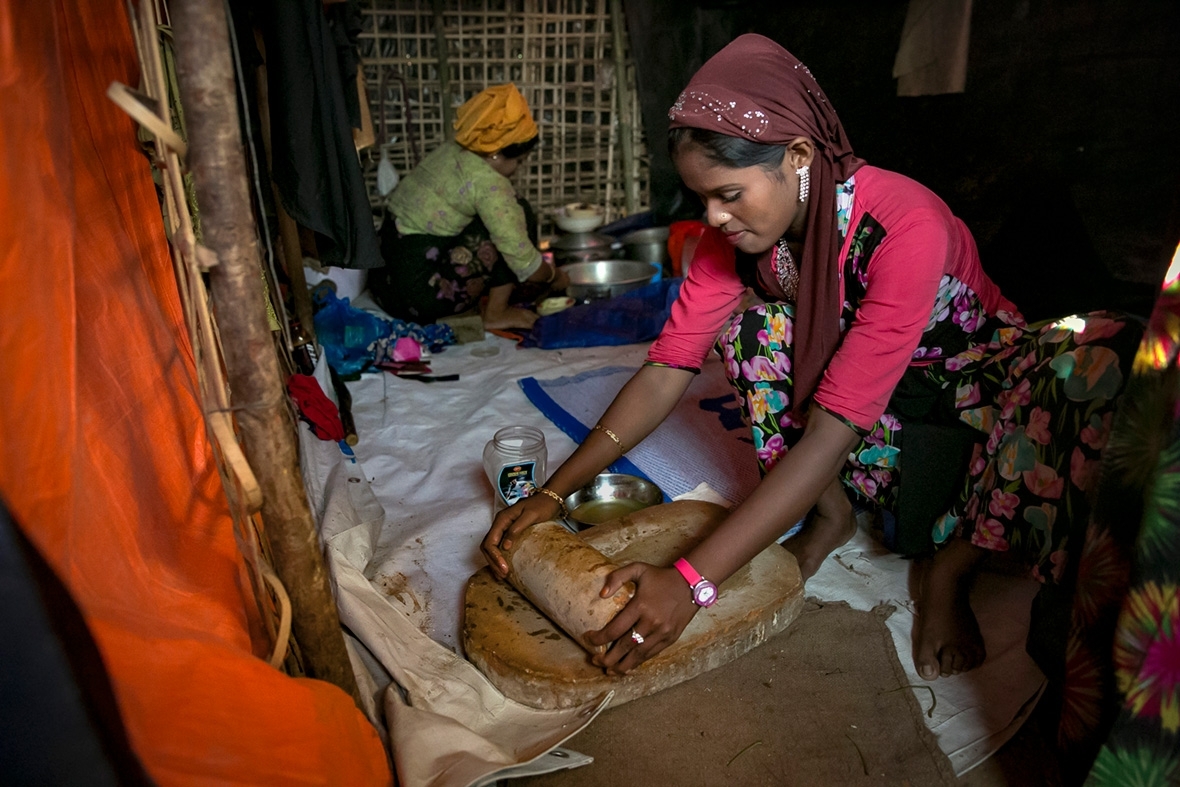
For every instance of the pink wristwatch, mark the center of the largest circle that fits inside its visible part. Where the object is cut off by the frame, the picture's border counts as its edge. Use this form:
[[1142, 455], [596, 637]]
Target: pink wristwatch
[[704, 592]]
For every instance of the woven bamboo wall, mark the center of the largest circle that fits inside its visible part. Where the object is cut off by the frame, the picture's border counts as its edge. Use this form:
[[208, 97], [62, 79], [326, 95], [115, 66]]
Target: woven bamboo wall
[[559, 53]]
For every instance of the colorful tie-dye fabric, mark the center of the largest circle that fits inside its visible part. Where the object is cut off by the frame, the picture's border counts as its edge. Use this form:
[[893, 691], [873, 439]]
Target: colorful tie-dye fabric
[[1122, 702]]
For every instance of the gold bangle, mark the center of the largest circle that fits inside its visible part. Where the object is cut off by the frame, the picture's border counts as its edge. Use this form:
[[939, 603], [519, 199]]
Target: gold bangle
[[611, 435], [557, 497]]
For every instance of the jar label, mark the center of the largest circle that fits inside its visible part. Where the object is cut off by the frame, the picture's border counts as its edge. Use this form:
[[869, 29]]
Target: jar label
[[516, 481]]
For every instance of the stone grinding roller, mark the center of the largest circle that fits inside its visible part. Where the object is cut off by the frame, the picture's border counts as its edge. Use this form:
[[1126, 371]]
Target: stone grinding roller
[[563, 576]]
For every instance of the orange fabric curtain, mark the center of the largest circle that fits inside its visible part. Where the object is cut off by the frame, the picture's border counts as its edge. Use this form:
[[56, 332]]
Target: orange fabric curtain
[[104, 461]]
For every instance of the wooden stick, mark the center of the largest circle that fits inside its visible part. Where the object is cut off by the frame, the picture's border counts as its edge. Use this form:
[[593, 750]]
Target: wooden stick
[[288, 227], [623, 97], [444, 69], [237, 477], [206, 76], [345, 407]]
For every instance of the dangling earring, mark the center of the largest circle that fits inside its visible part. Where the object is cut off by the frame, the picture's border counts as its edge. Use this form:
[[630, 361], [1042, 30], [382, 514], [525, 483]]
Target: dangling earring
[[804, 174]]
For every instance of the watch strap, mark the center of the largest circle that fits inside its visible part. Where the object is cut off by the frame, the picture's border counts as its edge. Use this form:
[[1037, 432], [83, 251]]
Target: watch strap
[[690, 574]]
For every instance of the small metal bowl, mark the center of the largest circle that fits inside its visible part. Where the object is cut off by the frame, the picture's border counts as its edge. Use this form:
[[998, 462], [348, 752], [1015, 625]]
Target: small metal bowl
[[610, 496]]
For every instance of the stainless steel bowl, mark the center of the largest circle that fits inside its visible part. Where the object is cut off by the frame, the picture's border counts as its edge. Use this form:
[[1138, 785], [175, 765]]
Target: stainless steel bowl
[[592, 281], [649, 245], [610, 496]]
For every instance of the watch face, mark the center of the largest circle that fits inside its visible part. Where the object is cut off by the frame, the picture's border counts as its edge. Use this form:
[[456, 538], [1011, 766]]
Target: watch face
[[705, 593]]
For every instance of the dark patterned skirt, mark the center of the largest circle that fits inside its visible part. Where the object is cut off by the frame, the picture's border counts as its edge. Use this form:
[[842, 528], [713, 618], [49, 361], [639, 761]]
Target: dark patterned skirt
[[1040, 400], [429, 276]]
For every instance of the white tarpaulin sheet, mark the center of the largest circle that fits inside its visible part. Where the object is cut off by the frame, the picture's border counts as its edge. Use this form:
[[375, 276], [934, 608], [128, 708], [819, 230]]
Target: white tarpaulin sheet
[[403, 538]]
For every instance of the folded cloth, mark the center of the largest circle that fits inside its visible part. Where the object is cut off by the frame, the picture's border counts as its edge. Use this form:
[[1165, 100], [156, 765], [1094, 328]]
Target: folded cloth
[[632, 317], [315, 407]]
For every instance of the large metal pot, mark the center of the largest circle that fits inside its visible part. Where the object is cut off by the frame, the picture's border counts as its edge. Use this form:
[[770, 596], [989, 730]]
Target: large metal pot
[[648, 245], [582, 247], [592, 281]]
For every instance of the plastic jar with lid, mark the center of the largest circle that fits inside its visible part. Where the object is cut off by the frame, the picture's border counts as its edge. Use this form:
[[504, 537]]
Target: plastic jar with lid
[[514, 460]]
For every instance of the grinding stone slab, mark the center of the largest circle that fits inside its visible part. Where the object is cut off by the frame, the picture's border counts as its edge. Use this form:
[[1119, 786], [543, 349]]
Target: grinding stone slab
[[530, 660]]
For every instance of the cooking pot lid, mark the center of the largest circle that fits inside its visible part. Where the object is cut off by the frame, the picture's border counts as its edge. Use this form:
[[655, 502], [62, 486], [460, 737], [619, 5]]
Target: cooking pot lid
[[577, 241]]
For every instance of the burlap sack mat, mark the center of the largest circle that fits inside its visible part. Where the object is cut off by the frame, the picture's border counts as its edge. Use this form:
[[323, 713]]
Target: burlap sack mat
[[825, 702]]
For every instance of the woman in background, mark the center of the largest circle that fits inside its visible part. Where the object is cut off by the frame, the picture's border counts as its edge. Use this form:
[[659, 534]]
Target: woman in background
[[457, 231]]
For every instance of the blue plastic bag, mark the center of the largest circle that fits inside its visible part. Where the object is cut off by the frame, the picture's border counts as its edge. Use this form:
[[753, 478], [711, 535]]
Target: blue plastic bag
[[636, 316], [347, 335], [353, 339]]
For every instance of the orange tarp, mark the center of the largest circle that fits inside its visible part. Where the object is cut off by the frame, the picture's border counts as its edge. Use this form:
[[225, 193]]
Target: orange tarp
[[104, 461]]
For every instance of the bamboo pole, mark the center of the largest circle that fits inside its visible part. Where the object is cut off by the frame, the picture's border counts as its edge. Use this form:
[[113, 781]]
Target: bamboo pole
[[444, 69], [623, 97], [288, 228], [206, 77]]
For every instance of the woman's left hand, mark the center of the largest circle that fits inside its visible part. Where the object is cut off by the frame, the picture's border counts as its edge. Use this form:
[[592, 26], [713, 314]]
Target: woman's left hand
[[660, 610]]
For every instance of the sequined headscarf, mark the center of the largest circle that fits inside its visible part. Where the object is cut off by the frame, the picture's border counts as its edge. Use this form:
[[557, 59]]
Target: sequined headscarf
[[753, 88]]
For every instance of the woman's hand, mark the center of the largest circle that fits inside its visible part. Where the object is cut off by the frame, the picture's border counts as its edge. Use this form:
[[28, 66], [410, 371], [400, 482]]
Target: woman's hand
[[659, 612], [509, 524], [551, 275], [561, 280]]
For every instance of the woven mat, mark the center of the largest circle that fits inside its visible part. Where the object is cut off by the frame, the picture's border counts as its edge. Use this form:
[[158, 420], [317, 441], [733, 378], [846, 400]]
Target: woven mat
[[821, 703]]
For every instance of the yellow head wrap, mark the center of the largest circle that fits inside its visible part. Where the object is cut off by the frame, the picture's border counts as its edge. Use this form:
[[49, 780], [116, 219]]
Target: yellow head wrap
[[494, 119]]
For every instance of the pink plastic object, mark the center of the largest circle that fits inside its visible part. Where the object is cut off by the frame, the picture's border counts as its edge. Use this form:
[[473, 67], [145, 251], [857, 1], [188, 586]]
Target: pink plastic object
[[407, 349]]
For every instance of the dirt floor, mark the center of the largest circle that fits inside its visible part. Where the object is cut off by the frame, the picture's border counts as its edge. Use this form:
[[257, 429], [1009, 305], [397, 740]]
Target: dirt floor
[[825, 702]]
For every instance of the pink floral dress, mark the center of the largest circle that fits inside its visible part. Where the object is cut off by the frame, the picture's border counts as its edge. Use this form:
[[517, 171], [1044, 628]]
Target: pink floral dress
[[1061, 459], [1040, 399]]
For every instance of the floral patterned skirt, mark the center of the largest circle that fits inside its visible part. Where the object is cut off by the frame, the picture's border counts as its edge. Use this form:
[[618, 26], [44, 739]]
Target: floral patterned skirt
[[1066, 465], [758, 355], [429, 276], [1040, 397]]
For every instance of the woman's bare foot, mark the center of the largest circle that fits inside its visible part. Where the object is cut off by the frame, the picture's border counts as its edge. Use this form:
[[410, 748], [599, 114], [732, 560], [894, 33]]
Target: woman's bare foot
[[832, 526], [509, 318], [947, 640]]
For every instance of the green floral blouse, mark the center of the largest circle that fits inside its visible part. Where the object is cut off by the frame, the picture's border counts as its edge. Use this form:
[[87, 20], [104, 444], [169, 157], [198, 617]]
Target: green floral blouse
[[449, 189]]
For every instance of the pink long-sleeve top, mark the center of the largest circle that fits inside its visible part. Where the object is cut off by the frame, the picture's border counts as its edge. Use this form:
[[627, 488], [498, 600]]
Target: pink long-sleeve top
[[923, 243]]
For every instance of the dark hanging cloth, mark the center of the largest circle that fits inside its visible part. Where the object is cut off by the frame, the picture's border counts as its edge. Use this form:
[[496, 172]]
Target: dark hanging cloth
[[311, 79], [345, 21]]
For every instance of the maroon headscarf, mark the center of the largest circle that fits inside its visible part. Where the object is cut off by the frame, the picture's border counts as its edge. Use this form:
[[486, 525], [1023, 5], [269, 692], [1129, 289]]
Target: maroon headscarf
[[753, 88]]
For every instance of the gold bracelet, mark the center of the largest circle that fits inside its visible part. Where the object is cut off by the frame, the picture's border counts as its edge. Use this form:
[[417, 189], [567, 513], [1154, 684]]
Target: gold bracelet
[[611, 435], [560, 501]]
